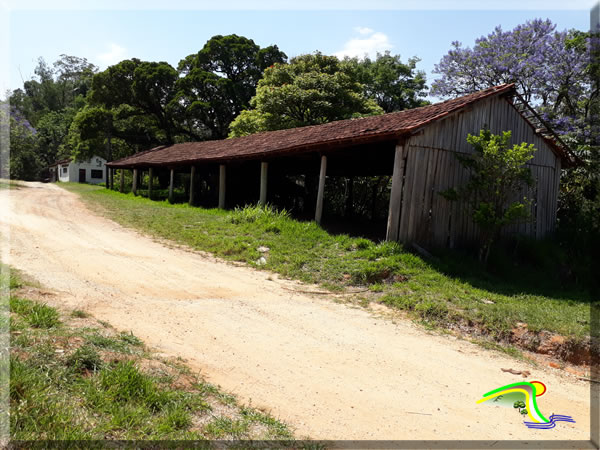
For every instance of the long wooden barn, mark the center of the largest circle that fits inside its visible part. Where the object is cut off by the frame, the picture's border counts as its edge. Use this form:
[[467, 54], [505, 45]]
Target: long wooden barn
[[417, 147]]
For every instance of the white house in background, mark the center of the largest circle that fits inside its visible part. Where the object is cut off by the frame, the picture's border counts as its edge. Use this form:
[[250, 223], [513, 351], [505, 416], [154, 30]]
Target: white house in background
[[92, 171]]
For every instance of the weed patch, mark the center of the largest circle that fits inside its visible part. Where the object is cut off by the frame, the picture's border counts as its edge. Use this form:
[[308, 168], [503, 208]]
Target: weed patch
[[37, 314]]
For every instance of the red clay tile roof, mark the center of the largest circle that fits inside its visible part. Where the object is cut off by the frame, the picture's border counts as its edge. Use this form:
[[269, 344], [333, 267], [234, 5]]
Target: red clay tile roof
[[274, 143]]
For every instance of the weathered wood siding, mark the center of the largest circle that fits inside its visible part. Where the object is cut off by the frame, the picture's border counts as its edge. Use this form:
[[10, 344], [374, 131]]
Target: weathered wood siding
[[430, 167]]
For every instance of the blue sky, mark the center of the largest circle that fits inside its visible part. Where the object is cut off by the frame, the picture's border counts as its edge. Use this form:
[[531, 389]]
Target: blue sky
[[105, 37]]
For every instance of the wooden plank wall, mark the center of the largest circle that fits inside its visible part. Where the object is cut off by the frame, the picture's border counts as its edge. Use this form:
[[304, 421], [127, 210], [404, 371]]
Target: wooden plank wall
[[431, 167]]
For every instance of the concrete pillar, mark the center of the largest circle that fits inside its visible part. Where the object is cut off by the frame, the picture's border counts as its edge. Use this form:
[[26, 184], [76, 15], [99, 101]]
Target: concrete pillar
[[150, 180], [263, 183], [321, 192], [134, 182], [171, 182], [192, 185], [122, 181], [222, 174], [395, 196]]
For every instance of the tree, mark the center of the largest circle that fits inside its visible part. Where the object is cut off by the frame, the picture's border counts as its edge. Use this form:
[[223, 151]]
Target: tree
[[24, 163], [520, 406], [73, 76], [312, 89], [534, 56], [52, 129], [93, 125], [554, 72], [551, 70], [62, 85], [219, 81], [395, 86], [147, 88], [45, 107], [497, 171]]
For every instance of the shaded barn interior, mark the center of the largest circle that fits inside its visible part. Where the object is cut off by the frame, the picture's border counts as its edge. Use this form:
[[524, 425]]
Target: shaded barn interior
[[412, 152]]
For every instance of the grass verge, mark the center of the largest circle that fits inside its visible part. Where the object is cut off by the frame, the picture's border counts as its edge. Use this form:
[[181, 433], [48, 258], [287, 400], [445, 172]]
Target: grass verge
[[451, 290], [72, 378]]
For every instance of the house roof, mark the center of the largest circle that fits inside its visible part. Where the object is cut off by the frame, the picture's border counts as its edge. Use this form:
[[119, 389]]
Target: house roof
[[297, 140], [70, 160], [62, 161]]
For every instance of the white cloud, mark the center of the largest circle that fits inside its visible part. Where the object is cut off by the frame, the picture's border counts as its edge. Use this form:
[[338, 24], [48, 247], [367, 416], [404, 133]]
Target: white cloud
[[115, 54], [363, 30], [369, 44]]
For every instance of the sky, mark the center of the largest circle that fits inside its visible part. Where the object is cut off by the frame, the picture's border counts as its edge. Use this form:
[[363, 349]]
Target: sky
[[108, 32]]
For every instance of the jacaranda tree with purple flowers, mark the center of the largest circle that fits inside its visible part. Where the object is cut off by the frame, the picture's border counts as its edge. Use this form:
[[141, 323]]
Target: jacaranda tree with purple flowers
[[534, 56], [553, 71]]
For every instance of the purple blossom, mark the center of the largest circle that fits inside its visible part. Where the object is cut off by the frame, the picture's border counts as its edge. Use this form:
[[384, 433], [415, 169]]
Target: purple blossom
[[548, 69]]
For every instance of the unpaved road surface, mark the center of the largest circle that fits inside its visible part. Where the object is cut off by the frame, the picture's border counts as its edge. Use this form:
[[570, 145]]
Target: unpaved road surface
[[330, 370]]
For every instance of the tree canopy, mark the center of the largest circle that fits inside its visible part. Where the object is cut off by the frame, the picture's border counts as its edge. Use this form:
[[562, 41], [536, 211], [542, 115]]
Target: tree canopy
[[395, 86], [310, 90], [42, 112], [219, 81]]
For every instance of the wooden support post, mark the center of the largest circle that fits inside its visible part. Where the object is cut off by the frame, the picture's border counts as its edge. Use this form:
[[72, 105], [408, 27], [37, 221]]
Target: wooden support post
[[134, 182], [122, 181], [396, 195], [171, 182], [321, 192], [222, 186], [112, 178], [192, 186], [150, 180], [263, 183]]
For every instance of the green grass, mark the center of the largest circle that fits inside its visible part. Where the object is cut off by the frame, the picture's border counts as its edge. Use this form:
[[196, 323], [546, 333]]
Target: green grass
[[79, 314], [69, 382], [450, 290], [9, 278], [38, 315]]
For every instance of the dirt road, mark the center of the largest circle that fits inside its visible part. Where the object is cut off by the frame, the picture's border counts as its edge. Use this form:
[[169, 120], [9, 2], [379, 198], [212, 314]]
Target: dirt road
[[330, 370]]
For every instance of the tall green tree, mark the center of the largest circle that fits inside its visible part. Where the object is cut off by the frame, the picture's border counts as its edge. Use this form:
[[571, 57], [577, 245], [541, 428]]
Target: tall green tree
[[24, 162], [94, 126], [147, 89], [49, 101], [394, 85], [218, 82], [53, 88], [310, 90]]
